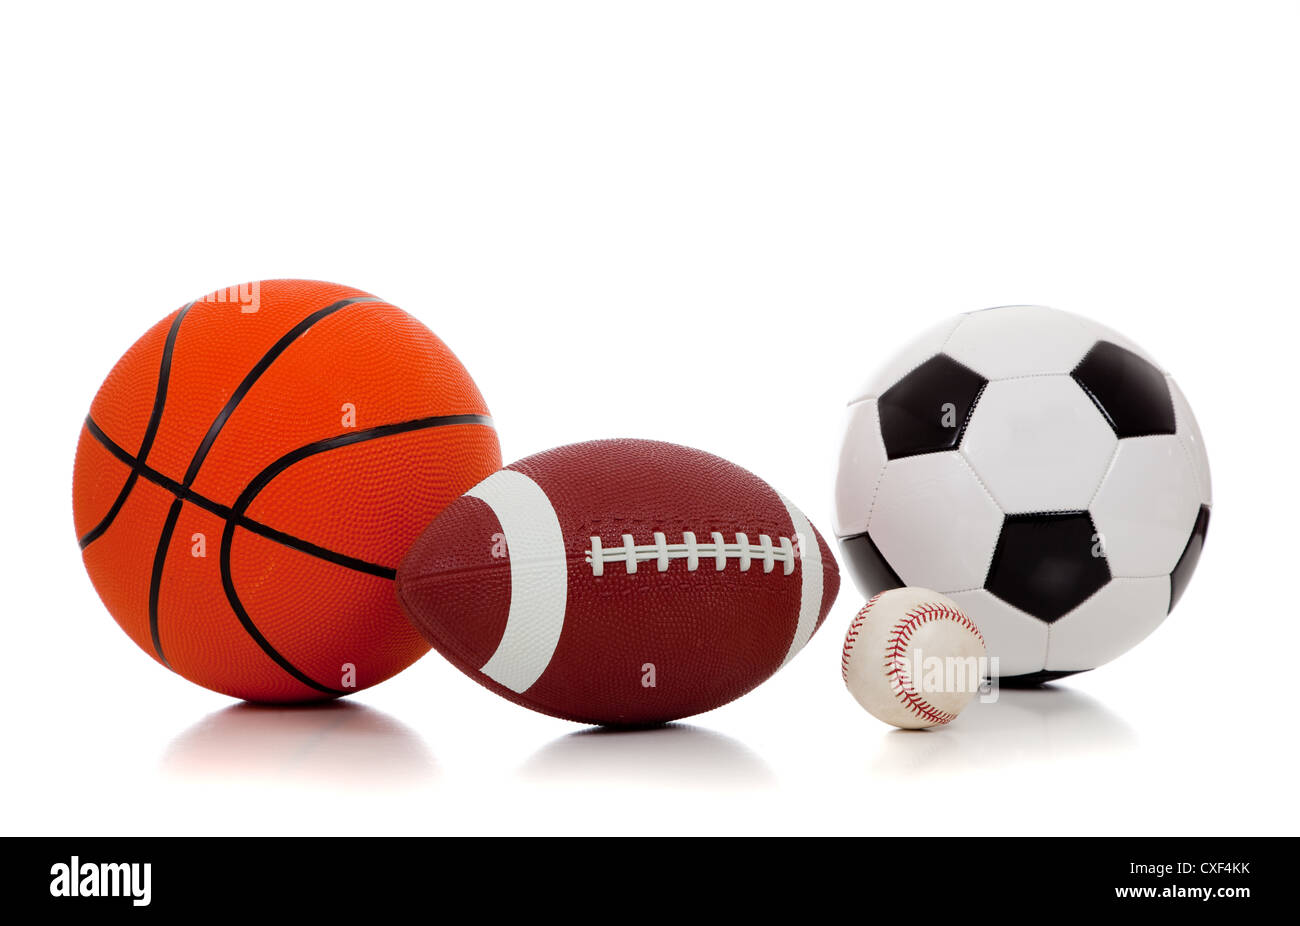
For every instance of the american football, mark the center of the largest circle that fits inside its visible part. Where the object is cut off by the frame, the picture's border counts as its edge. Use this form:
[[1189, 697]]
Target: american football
[[619, 582]]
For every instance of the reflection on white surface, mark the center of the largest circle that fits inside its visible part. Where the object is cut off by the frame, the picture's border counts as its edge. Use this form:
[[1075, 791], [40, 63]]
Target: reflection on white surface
[[675, 755], [338, 743], [1022, 726]]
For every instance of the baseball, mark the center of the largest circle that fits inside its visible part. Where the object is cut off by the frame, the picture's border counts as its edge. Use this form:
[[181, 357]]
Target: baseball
[[913, 659]]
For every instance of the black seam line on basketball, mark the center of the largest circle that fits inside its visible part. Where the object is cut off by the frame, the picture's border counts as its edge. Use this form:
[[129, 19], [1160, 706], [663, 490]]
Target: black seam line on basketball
[[265, 477], [155, 578], [224, 512], [262, 479], [150, 431], [255, 374], [232, 596]]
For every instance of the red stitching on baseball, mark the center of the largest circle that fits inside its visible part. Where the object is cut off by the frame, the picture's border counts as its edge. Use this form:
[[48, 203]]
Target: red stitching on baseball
[[852, 636], [896, 659]]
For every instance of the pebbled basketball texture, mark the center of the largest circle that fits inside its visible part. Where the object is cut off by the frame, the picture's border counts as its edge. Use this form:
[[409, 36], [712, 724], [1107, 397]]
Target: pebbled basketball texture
[[251, 472], [654, 619]]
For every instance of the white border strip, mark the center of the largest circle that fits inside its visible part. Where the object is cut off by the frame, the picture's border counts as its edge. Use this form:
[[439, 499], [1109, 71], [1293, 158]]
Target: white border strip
[[539, 578], [811, 579]]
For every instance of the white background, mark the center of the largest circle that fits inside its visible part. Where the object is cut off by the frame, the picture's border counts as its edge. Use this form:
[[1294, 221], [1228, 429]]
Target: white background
[[701, 222]]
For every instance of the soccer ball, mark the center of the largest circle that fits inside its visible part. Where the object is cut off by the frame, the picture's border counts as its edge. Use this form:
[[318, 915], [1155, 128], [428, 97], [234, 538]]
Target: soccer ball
[[1039, 469]]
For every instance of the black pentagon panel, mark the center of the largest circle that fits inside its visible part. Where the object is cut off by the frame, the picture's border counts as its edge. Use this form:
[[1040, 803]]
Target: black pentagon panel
[[1046, 564], [1186, 564], [1035, 679], [926, 411], [1131, 394], [868, 566]]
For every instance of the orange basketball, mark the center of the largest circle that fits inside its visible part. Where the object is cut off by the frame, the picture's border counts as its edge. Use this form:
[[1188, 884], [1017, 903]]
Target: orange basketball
[[253, 470]]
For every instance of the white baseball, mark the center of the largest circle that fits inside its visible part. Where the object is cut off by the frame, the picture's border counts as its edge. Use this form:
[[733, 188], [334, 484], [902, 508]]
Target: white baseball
[[912, 658]]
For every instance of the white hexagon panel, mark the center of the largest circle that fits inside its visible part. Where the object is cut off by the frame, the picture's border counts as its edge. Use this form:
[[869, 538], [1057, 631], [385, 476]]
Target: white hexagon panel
[[1017, 639], [1118, 617], [1020, 340], [1038, 444], [1146, 506], [934, 523], [862, 463]]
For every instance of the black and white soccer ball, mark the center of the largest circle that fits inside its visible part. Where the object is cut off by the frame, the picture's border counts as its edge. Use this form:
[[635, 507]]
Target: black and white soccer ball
[[1039, 469]]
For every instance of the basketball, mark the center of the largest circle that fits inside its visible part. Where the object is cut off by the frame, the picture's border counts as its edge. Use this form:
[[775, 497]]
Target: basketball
[[253, 470]]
